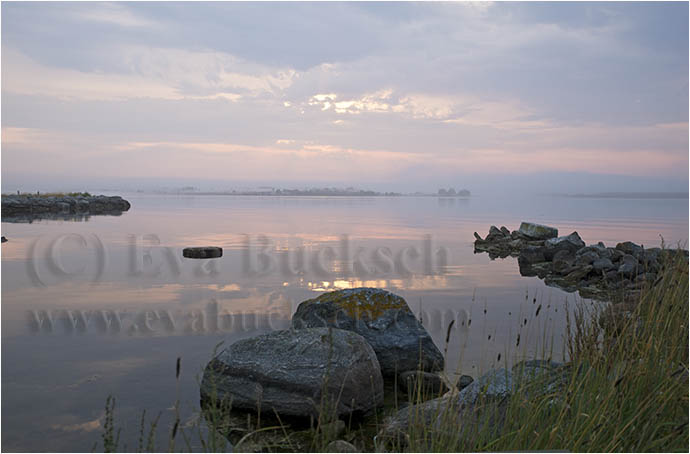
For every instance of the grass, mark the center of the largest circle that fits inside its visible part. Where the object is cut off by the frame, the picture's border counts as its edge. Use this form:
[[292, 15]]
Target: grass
[[625, 388]]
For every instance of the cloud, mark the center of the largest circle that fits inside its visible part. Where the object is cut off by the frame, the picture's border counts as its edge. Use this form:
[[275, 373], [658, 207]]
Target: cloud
[[350, 92], [113, 13], [150, 73]]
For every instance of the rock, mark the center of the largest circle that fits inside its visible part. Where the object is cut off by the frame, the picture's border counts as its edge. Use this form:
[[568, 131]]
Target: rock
[[494, 234], [531, 369], [494, 385], [628, 266], [480, 407], [586, 259], [579, 274], [538, 231], [297, 373], [463, 382], [538, 377], [505, 231], [340, 446], [596, 271], [601, 249], [38, 207], [650, 257], [383, 319], [204, 252], [563, 267], [571, 243], [616, 255], [334, 429], [396, 426], [530, 255], [421, 384], [4, 240], [628, 247], [612, 275], [603, 265]]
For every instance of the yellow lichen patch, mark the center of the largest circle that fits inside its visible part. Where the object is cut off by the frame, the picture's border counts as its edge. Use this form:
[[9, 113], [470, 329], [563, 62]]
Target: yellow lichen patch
[[364, 303]]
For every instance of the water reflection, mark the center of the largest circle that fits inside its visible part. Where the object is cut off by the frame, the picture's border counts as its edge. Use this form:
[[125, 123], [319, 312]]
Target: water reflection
[[37, 217], [277, 253]]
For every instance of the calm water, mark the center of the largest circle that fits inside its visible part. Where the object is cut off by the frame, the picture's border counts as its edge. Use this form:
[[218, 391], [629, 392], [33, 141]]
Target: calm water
[[277, 252]]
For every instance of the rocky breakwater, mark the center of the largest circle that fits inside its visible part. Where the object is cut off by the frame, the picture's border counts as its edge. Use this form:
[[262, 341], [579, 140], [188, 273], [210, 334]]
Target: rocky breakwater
[[49, 206], [566, 262]]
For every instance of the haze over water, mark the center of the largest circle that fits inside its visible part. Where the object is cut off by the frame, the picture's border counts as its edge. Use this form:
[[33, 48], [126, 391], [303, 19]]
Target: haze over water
[[55, 383]]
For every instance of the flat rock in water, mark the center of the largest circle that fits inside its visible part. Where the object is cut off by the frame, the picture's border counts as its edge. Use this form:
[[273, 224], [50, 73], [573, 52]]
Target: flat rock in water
[[383, 319], [4, 240], [297, 373], [205, 252]]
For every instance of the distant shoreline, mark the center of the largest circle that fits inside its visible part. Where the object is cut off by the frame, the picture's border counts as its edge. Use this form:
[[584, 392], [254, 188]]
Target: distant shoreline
[[626, 195], [296, 193]]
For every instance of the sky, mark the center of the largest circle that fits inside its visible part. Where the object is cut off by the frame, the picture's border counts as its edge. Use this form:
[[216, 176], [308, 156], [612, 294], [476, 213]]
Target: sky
[[493, 97]]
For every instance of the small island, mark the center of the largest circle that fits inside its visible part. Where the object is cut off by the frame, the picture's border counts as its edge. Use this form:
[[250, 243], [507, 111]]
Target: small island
[[28, 207], [311, 192]]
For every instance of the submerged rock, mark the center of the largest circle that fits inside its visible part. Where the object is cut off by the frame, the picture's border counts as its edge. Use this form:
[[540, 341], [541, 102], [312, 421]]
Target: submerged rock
[[463, 382], [297, 373], [204, 252], [383, 319]]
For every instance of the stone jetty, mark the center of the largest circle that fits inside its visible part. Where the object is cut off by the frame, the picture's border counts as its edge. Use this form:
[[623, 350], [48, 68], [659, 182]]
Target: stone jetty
[[566, 262], [29, 206]]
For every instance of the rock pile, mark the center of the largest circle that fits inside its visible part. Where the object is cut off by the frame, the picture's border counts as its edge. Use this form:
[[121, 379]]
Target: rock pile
[[49, 206], [596, 271]]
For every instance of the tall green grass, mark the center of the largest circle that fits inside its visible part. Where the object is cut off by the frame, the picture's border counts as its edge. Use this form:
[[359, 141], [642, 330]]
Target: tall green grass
[[624, 388]]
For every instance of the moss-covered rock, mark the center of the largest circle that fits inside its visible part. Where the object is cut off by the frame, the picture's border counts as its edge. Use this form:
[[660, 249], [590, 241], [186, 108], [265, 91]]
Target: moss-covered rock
[[384, 319]]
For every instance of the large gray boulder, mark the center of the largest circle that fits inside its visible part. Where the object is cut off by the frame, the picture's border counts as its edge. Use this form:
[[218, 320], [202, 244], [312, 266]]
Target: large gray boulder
[[383, 319], [537, 231], [297, 373]]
